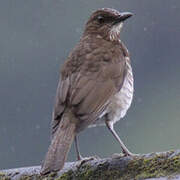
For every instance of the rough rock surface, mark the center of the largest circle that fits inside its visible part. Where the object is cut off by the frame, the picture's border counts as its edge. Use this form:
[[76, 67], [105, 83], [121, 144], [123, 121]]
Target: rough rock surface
[[162, 166]]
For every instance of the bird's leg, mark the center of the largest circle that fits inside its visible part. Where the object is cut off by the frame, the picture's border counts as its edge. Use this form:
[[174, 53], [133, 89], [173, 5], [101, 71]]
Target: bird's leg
[[79, 157], [109, 125]]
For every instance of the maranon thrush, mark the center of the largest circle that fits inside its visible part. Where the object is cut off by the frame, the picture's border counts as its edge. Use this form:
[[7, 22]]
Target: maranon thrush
[[95, 87]]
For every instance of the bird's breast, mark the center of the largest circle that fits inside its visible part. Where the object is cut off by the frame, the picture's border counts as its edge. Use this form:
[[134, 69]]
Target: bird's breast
[[121, 102]]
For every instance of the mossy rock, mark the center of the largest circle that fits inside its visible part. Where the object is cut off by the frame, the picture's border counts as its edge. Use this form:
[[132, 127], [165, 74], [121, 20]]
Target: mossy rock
[[154, 165]]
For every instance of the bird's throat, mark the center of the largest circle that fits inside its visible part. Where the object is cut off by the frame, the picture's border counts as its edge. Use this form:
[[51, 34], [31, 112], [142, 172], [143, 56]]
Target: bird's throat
[[114, 33]]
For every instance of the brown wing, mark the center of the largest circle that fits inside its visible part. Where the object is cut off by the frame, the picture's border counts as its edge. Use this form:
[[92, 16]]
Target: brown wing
[[88, 93], [60, 103]]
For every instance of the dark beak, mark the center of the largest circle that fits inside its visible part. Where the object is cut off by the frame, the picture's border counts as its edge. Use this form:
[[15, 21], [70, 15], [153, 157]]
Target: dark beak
[[123, 16]]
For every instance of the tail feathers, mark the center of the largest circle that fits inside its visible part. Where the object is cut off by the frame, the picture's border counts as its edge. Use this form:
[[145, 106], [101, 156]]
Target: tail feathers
[[59, 148]]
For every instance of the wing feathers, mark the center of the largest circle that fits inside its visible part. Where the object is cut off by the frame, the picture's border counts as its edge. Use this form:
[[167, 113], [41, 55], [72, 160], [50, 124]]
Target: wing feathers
[[88, 93]]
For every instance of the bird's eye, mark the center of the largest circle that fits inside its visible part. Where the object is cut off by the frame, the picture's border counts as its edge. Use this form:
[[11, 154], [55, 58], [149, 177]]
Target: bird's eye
[[100, 19]]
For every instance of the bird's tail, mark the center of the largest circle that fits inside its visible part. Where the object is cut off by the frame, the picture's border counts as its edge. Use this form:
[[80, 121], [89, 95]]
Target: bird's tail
[[60, 145]]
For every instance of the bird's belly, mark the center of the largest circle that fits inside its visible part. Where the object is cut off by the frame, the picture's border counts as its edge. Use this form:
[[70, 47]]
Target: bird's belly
[[120, 103]]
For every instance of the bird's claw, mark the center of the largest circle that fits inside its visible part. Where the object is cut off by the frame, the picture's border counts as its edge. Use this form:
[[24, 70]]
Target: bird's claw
[[117, 155], [86, 159]]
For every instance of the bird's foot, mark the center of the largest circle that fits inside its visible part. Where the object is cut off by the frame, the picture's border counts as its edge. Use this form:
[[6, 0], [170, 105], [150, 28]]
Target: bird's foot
[[128, 153], [117, 155], [79, 157], [86, 159], [124, 154], [133, 155]]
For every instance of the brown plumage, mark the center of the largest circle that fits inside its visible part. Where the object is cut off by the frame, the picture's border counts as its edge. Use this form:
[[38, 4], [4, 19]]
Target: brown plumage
[[96, 86]]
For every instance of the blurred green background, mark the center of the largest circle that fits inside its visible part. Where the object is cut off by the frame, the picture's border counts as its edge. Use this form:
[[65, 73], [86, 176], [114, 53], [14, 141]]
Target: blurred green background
[[35, 39]]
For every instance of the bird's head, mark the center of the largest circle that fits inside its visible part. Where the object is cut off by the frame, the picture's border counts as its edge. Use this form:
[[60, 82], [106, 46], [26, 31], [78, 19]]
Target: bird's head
[[107, 23]]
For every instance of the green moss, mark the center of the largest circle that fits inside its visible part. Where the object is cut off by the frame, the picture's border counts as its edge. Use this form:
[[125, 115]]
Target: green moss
[[37, 177], [139, 168], [3, 176], [66, 176], [53, 174], [157, 166], [24, 177], [142, 167]]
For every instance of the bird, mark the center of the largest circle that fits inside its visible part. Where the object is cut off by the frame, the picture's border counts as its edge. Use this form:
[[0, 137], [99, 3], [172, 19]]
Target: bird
[[95, 88]]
